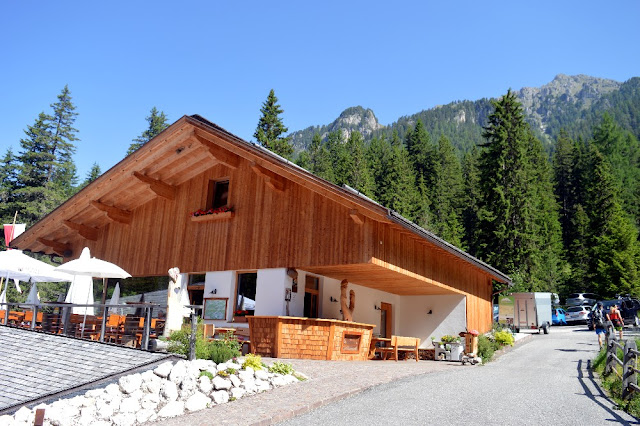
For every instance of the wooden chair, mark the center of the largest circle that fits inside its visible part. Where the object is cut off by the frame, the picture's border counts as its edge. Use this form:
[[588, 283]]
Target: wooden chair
[[208, 331]]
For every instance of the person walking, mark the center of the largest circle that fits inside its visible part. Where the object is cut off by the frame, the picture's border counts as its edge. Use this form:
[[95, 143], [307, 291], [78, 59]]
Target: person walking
[[598, 322], [616, 319]]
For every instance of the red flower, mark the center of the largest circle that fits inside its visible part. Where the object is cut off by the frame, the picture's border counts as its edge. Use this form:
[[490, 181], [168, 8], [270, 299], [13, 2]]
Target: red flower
[[201, 212]]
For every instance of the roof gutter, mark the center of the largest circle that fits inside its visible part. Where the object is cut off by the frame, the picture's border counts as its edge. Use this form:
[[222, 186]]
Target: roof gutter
[[398, 219]]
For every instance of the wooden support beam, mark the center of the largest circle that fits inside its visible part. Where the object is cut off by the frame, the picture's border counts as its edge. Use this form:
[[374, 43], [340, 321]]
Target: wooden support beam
[[88, 232], [272, 180], [113, 213], [161, 189], [219, 153], [358, 218], [61, 249]]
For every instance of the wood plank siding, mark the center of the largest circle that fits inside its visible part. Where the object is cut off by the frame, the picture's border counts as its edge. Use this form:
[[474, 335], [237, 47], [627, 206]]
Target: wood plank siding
[[140, 215]]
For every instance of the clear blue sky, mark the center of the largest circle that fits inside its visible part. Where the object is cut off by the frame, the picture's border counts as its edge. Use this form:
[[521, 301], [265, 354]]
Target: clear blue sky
[[220, 59]]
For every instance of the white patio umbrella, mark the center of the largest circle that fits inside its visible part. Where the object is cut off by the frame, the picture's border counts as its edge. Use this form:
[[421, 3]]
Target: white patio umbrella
[[83, 269], [17, 265]]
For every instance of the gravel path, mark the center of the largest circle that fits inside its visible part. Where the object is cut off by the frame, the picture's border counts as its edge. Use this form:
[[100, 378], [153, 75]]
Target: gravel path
[[543, 382]]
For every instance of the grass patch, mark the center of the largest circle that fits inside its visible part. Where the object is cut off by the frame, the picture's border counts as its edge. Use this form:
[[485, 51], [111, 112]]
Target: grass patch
[[612, 384]]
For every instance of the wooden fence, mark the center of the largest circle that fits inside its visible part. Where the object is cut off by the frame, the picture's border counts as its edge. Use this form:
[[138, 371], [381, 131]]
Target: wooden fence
[[629, 363]]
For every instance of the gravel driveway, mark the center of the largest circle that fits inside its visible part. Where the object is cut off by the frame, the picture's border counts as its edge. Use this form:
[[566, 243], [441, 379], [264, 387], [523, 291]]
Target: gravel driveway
[[544, 382]]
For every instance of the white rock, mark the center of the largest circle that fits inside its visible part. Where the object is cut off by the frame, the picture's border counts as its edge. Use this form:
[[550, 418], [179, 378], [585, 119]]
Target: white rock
[[250, 386], [246, 376], [24, 415], [220, 397], [113, 389], [77, 401], [221, 367], [235, 381], [152, 386], [172, 409], [290, 378], [58, 416], [261, 375], [238, 393], [188, 387], [6, 420], [278, 381], [100, 423], [200, 364], [104, 410], [129, 405], [178, 372], [144, 415], [220, 383], [137, 394], [250, 370], [94, 393], [196, 402], [163, 369], [205, 385], [262, 385], [150, 401], [124, 419], [234, 365], [129, 384], [169, 391]]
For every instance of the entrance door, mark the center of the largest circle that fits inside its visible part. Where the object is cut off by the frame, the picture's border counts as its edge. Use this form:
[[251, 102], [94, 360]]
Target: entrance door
[[311, 296], [386, 319]]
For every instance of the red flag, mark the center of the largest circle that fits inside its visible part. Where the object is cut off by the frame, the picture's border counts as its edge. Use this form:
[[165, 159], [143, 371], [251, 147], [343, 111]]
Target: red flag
[[12, 231]]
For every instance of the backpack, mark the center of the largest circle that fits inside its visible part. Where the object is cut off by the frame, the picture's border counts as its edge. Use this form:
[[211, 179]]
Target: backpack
[[598, 318]]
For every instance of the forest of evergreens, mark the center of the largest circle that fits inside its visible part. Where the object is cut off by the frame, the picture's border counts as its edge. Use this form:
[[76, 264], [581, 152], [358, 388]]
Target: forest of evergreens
[[563, 222]]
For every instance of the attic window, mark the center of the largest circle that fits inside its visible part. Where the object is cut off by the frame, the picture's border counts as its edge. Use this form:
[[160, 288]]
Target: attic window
[[218, 195]]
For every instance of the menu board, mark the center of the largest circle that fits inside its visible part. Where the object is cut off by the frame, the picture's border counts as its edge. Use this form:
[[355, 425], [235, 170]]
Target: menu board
[[215, 309]]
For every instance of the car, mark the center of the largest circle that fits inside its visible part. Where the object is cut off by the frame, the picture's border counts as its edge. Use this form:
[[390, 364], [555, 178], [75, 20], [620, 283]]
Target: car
[[558, 316], [628, 309], [582, 299], [496, 313], [578, 314]]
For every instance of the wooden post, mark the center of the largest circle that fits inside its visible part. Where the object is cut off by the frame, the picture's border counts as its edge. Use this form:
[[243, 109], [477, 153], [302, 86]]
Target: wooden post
[[39, 419], [610, 337], [192, 338], [628, 372]]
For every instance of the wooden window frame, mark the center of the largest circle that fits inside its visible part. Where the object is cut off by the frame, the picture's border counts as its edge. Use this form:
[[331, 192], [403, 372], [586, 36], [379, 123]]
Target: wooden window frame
[[235, 297], [211, 192], [351, 333]]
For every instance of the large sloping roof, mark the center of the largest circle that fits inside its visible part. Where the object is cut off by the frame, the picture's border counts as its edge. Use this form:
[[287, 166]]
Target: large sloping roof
[[36, 365], [182, 151]]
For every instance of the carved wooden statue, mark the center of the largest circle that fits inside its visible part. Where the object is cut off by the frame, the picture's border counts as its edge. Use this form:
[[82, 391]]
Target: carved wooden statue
[[347, 309]]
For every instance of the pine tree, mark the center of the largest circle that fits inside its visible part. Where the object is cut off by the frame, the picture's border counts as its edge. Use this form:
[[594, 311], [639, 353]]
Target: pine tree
[[62, 172], [340, 157], [157, 123], [320, 159], [400, 193], [358, 176], [471, 199], [270, 128], [422, 152], [379, 157], [447, 194], [517, 201], [7, 185], [564, 164], [615, 254], [92, 175]]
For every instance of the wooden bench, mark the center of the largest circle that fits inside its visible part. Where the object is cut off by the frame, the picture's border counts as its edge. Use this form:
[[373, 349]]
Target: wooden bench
[[400, 343]]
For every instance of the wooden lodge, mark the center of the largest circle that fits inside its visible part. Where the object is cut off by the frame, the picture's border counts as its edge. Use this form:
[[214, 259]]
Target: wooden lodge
[[277, 240]]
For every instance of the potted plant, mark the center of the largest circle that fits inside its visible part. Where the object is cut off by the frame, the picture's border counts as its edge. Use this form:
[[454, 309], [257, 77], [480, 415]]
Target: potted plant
[[452, 344]]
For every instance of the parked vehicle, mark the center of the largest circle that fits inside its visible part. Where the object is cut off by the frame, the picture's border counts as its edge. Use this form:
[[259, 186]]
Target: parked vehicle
[[628, 309], [582, 299], [496, 312], [558, 316], [578, 314], [532, 311]]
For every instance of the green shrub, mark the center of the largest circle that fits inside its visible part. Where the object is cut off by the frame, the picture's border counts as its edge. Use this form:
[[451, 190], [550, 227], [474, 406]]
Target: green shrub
[[206, 373], [486, 348], [231, 370], [254, 361], [503, 338], [220, 351], [281, 368]]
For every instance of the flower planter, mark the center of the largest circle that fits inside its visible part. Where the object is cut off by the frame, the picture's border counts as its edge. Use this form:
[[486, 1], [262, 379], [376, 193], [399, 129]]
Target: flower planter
[[212, 217]]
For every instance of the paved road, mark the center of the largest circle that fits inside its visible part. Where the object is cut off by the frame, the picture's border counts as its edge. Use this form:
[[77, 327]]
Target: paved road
[[543, 382]]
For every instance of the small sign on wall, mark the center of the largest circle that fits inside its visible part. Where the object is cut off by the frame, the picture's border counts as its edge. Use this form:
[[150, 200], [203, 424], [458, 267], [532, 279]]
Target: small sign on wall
[[351, 342], [215, 308]]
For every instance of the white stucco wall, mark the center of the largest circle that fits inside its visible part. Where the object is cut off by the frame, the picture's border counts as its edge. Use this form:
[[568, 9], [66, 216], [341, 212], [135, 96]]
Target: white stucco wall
[[409, 313]]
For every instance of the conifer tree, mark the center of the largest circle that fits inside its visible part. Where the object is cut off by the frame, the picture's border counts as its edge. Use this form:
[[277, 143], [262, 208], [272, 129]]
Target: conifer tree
[[564, 163], [340, 157], [92, 175], [379, 156], [157, 123], [447, 194], [320, 159], [423, 153], [270, 128], [358, 176], [471, 199], [62, 171], [7, 185], [400, 193]]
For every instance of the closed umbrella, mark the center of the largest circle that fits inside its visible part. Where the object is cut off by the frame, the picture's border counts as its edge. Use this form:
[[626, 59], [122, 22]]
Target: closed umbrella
[[33, 298], [115, 297]]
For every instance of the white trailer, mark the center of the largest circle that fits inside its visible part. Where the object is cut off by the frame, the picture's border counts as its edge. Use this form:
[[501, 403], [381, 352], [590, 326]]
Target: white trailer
[[532, 311]]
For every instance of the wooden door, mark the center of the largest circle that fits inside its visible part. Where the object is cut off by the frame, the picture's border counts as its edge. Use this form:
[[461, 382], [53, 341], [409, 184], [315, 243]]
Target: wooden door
[[311, 296], [386, 319]]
